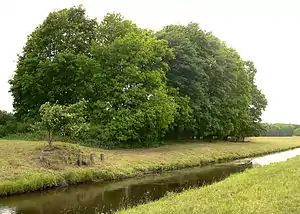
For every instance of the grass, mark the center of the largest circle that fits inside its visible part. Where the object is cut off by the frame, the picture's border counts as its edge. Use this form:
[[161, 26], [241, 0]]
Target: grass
[[22, 171], [268, 189]]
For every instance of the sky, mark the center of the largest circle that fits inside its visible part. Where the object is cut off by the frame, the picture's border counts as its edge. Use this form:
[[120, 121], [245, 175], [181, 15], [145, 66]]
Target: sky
[[264, 31]]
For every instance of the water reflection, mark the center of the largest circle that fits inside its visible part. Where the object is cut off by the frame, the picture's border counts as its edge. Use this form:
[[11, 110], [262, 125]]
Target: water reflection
[[278, 157], [107, 198]]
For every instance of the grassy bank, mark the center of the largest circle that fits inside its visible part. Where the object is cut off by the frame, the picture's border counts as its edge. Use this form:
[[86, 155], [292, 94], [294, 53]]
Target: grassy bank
[[268, 189], [22, 171]]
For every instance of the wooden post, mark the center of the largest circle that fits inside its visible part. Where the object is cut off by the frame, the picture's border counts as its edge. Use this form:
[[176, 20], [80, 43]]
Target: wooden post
[[102, 157], [66, 158], [79, 160], [92, 157], [42, 155]]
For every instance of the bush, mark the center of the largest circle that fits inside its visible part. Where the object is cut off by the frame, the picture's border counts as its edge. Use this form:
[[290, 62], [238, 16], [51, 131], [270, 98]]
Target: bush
[[96, 136], [9, 125], [5, 117]]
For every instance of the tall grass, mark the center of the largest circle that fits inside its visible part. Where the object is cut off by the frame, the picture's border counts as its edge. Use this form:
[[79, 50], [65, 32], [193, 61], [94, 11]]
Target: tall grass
[[268, 189]]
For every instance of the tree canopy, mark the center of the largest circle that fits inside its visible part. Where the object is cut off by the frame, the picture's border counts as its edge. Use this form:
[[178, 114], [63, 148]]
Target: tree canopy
[[139, 85], [55, 64], [223, 96]]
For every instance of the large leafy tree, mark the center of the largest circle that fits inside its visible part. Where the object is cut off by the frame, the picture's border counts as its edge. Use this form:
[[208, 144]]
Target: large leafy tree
[[133, 103], [116, 66], [199, 71], [55, 66], [223, 96], [182, 81], [257, 105], [186, 72]]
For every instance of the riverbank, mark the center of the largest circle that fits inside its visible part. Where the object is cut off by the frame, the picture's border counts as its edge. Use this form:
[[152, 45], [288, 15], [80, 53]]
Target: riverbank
[[22, 171], [268, 189]]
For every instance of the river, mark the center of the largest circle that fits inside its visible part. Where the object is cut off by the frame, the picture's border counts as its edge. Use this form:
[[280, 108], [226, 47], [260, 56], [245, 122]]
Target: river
[[112, 196]]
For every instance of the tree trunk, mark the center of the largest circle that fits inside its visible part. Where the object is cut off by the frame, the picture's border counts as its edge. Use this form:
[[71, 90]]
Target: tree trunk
[[50, 137], [79, 159], [102, 157]]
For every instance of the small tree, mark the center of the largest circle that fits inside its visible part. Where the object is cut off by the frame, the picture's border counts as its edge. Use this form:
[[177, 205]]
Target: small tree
[[63, 120]]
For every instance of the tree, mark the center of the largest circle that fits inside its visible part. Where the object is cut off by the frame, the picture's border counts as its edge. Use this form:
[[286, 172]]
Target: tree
[[113, 26], [141, 86], [185, 74], [203, 71], [116, 66], [55, 65], [133, 103], [257, 104], [219, 84], [182, 127], [249, 124], [64, 120]]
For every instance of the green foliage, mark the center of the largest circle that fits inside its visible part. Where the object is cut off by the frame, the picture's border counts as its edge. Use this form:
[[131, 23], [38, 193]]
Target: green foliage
[[114, 26], [5, 117], [63, 120], [281, 129], [219, 84], [6, 123], [183, 123], [132, 103], [297, 132], [55, 65], [141, 86], [9, 125]]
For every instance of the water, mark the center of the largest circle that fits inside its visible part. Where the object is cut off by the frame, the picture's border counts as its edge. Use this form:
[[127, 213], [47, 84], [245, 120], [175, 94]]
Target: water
[[110, 197], [277, 157]]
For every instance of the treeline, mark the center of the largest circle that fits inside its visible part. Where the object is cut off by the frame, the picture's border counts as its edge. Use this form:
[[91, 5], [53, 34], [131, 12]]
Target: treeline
[[138, 86], [281, 129], [10, 125]]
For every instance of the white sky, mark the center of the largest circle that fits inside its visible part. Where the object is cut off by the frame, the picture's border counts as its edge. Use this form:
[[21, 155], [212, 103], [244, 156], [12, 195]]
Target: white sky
[[264, 31]]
